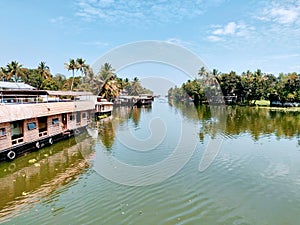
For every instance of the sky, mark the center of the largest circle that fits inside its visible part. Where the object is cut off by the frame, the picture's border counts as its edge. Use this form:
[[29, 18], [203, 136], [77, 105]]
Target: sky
[[227, 35]]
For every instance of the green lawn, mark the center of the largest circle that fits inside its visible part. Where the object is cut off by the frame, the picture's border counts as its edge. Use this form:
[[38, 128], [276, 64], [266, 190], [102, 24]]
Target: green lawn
[[262, 102]]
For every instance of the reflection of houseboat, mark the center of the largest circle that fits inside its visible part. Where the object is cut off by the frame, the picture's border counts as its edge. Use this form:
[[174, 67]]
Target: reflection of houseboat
[[103, 108], [29, 121], [37, 175]]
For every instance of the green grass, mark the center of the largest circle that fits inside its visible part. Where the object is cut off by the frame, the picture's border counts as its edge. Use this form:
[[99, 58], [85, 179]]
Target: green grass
[[261, 102]]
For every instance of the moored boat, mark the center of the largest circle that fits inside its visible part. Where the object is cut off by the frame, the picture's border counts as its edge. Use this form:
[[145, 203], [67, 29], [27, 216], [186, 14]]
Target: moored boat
[[103, 108], [28, 120]]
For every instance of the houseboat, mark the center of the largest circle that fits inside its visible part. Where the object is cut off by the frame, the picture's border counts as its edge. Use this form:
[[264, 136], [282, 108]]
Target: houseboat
[[103, 108], [144, 100], [30, 119]]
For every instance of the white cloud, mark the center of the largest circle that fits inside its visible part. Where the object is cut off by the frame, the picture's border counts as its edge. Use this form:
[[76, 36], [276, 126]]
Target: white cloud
[[286, 13], [139, 10], [214, 38], [231, 29]]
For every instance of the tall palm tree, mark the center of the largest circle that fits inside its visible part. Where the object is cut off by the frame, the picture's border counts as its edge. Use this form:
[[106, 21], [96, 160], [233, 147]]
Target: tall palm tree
[[72, 65], [82, 66], [13, 71], [109, 88], [44, 70], [106, 71]]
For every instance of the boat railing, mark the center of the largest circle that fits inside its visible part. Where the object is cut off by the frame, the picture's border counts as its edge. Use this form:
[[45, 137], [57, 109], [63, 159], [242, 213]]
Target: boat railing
[[17, 141], [43, 133]]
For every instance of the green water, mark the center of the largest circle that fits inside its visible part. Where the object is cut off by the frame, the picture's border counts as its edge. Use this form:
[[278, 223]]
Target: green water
[[144, 167]]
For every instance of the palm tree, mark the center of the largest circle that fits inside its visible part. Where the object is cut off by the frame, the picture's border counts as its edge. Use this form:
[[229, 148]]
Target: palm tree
[[13, 71], [82, 66], [2, 73], [72, 65], [109, 88], [136, 87], [106, 71], [44, 70]]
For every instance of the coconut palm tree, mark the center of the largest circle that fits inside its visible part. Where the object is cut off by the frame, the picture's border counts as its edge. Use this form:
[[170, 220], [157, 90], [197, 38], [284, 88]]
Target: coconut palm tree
[[110, 87], [44, 70], [13, 71], [2, 74], [72, 65], [82, 66]]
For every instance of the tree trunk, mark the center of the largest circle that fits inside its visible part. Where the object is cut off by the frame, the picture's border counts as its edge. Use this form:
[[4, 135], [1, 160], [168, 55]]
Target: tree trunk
[[72, 80]]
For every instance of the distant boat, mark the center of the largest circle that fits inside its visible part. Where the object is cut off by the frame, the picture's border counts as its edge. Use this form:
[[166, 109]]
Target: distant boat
[[144, 100], [103, 108]]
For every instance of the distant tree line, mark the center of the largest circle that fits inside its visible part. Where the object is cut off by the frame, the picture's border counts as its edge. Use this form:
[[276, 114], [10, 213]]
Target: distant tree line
[[245, 88], [105, 83]]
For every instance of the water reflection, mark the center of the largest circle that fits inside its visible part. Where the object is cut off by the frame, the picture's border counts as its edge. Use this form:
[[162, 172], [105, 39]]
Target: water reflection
[[121, 115], [257, 122], [106, 133], [34, 176]]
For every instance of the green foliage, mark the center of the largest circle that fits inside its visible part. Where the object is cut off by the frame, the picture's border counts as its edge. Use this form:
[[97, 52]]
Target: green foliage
[[245, 88]]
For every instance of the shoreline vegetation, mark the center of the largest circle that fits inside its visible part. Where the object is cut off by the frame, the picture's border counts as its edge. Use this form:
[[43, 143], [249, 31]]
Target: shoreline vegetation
[[104, 83], [247, 89]]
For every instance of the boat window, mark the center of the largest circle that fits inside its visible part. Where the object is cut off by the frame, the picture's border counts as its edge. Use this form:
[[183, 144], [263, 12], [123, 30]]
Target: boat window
[[2, 132], [55, 121], [72, 117], [78, 119], [16, 129], [31, 126]]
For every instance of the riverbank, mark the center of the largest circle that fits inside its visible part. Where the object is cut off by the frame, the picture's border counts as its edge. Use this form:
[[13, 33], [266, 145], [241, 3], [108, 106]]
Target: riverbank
[[266, 104]]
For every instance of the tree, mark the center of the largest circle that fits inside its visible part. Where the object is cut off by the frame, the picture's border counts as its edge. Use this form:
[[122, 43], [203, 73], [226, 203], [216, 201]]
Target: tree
[[60, 80], [109, 88], [44, 70], [13, 71], [2, 74], [82, 66], [72, 65]]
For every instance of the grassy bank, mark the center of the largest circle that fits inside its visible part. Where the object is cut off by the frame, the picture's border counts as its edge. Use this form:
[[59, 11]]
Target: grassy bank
[[266, 104]]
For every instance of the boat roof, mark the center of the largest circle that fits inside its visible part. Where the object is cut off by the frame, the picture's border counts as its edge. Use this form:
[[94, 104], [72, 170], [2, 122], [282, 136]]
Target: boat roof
[[14, 112], [30, 93], [15, 85]]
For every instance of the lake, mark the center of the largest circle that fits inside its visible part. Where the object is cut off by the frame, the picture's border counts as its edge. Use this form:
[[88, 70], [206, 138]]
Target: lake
[[172, 163]]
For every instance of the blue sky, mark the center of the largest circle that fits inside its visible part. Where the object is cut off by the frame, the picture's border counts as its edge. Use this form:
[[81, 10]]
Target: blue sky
[[226, 35]]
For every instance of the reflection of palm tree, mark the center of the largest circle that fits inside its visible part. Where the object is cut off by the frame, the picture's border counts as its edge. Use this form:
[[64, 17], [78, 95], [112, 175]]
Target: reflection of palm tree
[[136, 114], [106, 133], [72, 65]]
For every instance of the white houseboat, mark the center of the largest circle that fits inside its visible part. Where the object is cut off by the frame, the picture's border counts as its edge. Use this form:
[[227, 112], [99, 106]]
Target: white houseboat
[[29, 120], [103, 108]]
